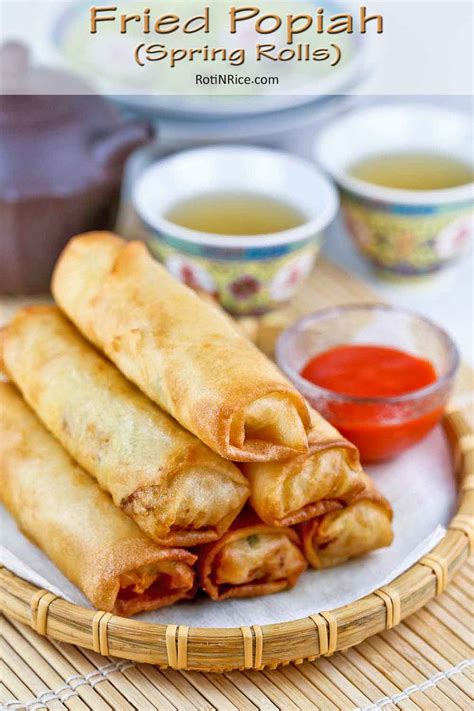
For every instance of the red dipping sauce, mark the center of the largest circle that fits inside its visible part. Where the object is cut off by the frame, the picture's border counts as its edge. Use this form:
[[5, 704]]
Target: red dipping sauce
[[379, 428]]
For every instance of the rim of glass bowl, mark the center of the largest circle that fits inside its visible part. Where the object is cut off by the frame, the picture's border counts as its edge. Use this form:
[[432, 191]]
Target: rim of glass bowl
[[306, 387]]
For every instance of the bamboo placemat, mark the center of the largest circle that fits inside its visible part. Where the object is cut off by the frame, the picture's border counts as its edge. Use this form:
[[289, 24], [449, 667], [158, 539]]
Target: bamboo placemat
[[424, 663]]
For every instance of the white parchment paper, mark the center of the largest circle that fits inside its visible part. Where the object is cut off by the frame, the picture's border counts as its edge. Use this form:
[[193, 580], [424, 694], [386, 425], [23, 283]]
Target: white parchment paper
[[421, 488]]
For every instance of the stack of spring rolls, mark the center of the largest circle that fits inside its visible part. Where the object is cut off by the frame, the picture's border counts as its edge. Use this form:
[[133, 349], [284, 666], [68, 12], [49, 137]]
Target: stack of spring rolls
[[139, 423]]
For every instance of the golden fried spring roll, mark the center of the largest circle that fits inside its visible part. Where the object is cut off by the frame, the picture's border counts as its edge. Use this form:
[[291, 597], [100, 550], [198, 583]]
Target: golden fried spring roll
[[362, 526], [179, 350], [308, 485], [174, 487], [64, 512], [250, 559]]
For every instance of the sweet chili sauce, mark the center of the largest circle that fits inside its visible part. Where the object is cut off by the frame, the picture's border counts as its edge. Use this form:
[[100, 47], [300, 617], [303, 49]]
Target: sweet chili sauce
[[379, 429]]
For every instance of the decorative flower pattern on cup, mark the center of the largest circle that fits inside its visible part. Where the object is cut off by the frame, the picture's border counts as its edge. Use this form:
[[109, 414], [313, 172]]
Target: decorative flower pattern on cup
[[408, 241], [453, 239], [190, 273], [242, 286], [290, 276]]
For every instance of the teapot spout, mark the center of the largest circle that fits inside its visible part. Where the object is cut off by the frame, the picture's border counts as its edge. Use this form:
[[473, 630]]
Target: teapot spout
[[112, 149]]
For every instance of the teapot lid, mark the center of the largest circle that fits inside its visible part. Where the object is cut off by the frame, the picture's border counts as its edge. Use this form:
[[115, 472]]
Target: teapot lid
[[20, 76]]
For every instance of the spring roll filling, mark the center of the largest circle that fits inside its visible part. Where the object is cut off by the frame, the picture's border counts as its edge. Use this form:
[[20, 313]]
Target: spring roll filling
[[184, 505], [141, 588], [270, 419], [305, 487], [302, 489], [258, 558], [342, 535]]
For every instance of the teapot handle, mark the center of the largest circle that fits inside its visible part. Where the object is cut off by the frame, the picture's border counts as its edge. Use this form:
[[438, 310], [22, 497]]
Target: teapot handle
[[112, 149]]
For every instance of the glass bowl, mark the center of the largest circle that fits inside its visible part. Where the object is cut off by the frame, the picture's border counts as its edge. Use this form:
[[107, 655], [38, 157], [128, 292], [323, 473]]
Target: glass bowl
[[381, 427]]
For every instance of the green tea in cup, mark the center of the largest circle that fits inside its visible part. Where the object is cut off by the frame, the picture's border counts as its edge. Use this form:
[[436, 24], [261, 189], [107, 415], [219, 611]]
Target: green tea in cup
[[413, 171], [239, 213]]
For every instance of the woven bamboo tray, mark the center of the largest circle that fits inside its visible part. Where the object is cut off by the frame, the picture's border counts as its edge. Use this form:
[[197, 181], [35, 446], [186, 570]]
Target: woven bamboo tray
[[257, 647], [423, 664]]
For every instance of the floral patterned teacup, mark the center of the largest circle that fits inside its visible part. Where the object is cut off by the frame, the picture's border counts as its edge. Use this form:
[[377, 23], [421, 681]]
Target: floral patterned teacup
[[402, 232], [247, 274]]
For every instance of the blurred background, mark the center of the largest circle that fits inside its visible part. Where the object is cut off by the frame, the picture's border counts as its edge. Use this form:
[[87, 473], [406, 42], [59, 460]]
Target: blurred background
[[76, 125]]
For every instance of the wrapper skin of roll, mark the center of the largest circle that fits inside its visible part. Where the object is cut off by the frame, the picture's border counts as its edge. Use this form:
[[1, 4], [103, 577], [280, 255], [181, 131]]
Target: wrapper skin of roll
[[179, 350], [360, 527], [250, 559], [66, 514], [308, 485], [174, 487]]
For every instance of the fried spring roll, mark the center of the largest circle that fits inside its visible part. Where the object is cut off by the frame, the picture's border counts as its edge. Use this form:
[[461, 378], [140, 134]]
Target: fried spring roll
[[362, 526], [179, 350], [174, 487], [66, 514], [308, 485], [250, 559]]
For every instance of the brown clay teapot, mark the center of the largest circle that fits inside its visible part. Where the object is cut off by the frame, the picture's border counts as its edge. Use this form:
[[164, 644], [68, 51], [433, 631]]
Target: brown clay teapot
[[61, 164]]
